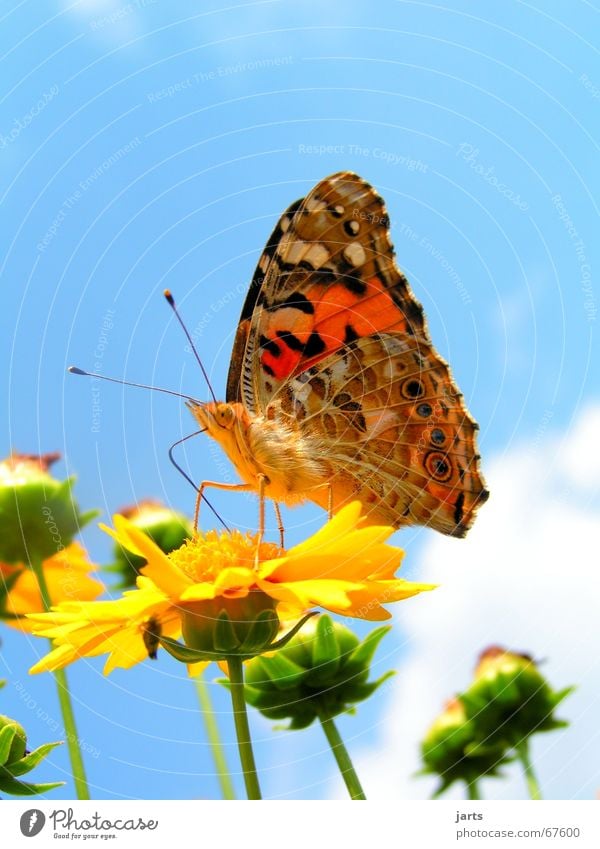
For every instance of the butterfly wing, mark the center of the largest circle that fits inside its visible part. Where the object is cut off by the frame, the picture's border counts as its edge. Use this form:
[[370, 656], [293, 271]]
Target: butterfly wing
[[240, 379], [327, 276], [332, 338], [395, 432]]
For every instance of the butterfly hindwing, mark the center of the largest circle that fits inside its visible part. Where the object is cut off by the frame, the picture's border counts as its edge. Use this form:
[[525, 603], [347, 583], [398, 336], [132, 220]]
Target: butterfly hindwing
[[397, 435]]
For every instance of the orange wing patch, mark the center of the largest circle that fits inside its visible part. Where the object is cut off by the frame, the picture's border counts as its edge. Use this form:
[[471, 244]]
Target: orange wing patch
[[295, 338]]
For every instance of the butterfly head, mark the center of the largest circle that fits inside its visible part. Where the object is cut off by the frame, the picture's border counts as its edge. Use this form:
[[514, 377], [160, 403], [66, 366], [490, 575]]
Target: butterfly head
[[219, 419]]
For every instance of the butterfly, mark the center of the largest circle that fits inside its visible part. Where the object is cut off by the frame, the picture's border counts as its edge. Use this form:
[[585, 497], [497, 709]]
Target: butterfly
[[335, 391]]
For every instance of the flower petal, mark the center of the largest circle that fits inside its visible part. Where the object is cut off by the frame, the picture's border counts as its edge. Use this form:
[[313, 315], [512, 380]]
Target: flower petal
[[159, 567]]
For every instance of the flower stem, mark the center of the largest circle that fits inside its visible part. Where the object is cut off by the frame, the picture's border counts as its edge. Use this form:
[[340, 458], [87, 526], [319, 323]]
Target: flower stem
[[242, 729], [64, 699], [214, 738], [473, 790], [522, 750], [66, 705], [342, 757]]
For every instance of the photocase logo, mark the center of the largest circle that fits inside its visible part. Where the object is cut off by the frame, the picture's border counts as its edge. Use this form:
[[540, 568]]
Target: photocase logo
[[32, 822]]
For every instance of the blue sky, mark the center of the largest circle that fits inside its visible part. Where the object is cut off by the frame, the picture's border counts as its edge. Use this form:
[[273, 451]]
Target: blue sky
[[147, 145]]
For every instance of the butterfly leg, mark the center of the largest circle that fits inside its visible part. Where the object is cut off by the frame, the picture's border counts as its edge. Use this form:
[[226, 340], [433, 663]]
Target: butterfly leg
[[329, 501], [237, 487], [261, 506], [279, 524]]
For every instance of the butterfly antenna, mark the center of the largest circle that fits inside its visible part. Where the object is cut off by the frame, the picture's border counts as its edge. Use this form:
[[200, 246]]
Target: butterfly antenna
[[80, 371], [190, 481], [171, 303]]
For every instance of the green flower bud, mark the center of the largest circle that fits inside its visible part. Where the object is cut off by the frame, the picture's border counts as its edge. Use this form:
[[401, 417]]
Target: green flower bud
[[18, 745], [224, 626], [167, 528], [38, 515], [510, 699], [451, 749], [15, 761], [321, 672]]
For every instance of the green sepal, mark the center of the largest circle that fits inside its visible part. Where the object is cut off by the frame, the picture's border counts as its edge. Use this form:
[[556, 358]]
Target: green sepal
[[559, 695], [261, 632], [274, 704], [86, 518], [7, 736], [363, 654], [508, 691], [441, 789], [301, 721], [284, 673], [325, 649], [360, 692], [255, 673], [225, 640], [21, 788], [309, 677], [184, 653], [279, 644], [28, 762]]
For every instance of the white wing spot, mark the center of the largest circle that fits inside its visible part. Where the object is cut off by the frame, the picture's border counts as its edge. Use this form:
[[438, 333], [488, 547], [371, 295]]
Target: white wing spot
[[301, 390], [293, 251], [317, 255], [315, 205], [355, 254]]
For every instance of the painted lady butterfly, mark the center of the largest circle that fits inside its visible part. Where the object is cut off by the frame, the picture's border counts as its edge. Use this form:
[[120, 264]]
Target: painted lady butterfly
[[335, 391]]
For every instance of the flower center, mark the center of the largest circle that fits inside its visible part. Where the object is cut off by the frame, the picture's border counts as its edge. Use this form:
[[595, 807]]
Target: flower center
[[206, 555]]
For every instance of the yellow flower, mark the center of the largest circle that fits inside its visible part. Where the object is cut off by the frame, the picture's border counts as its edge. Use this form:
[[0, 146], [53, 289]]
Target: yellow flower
[[345, 568], [67, 575]]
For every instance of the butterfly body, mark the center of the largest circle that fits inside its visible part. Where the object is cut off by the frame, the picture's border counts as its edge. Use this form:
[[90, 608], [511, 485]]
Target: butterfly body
[[335, 391], [269, 447]]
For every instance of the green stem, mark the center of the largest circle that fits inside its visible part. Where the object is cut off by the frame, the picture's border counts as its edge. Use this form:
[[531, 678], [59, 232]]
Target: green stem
[[214, 738], [342, 757], [473, 790], [66, 705], [522, 750], [64, 698], [242, 729]]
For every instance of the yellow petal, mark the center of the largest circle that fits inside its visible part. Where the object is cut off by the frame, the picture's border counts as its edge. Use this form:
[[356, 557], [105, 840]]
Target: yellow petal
[[336, 528], [239, 577], [159, 567]]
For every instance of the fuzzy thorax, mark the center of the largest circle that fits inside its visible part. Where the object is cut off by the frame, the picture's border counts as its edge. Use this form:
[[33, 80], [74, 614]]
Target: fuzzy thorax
[[260, 446]]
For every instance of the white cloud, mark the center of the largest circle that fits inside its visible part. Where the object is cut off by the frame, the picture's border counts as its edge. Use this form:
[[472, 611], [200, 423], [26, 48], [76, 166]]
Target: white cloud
[[527, 578]]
